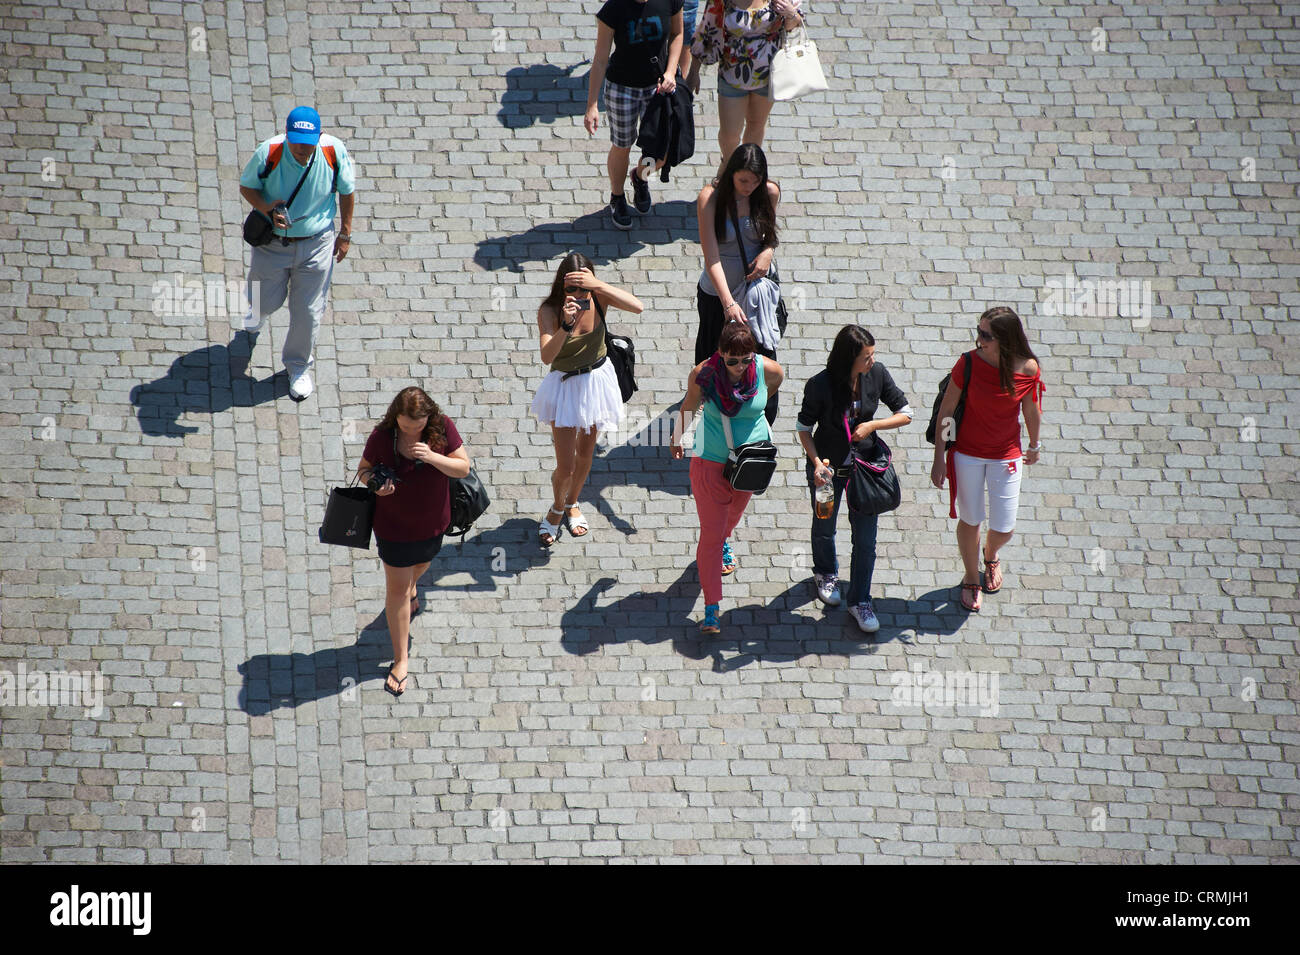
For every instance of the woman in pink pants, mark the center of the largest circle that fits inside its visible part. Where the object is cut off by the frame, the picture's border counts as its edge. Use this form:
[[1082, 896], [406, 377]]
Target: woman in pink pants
[[735, 381]]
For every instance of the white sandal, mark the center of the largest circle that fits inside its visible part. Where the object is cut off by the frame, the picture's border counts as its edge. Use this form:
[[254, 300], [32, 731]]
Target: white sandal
[[576, 524], [552, 530]]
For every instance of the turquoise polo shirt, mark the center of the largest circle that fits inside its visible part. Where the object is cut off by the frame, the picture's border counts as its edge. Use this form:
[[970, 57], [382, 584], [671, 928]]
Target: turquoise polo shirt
[[314, 206]]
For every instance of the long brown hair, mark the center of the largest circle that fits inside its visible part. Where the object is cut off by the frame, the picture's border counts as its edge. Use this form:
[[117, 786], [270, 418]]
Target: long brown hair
[[748, 157], [414, 402], [1013, 346]]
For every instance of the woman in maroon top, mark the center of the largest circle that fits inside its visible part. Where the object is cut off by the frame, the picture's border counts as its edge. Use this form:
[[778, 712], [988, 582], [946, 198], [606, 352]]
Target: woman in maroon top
[[1005, 381], [421, 446]]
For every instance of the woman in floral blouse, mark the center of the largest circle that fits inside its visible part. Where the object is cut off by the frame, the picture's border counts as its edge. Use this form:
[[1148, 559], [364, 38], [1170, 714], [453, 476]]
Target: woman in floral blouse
[[741, 36]]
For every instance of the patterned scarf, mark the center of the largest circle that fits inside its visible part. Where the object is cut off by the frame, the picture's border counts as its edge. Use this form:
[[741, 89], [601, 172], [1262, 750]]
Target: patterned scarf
[[716, 384]]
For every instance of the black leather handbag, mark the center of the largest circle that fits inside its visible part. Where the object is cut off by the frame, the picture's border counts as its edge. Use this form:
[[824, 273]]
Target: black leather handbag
[[873, 483]]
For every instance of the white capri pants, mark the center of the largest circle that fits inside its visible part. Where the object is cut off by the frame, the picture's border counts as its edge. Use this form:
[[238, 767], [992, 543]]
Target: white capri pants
[[1003, 481]]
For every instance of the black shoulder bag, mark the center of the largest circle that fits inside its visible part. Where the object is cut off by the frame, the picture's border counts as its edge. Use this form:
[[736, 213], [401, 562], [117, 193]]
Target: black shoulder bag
[[258, 227], [749, 467], [873, 483]]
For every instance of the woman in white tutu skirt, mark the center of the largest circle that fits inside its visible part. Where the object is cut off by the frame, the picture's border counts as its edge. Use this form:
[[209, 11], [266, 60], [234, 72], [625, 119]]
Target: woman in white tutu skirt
[[580, 397]]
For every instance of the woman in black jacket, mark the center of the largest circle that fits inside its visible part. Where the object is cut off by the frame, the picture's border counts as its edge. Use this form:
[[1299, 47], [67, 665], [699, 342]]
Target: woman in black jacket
[[836, 402]]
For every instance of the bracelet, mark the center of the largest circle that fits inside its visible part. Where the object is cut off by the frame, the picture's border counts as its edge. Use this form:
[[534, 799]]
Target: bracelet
[[568, 328], [345, 235], [1035, 447]]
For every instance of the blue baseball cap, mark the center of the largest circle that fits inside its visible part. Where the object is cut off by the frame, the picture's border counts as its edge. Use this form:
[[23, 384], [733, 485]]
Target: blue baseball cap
[[303, 126]]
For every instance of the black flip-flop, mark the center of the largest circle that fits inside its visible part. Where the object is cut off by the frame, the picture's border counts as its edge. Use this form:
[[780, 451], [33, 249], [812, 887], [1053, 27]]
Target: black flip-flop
[[400, 683]]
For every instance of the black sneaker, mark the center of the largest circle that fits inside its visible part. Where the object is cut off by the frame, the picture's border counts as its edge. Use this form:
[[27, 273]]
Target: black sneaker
[[640, 194], [618, 211]]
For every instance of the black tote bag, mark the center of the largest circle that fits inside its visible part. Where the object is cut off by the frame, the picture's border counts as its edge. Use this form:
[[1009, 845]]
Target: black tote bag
[[873, 483], [349, 517]]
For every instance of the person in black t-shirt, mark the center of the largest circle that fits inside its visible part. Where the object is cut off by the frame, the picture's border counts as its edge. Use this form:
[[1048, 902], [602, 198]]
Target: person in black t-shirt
[[646, 36]]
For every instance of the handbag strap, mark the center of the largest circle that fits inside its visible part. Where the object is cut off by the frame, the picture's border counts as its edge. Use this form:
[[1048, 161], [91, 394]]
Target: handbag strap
[[303, 178], [735, 222], [726, 429]]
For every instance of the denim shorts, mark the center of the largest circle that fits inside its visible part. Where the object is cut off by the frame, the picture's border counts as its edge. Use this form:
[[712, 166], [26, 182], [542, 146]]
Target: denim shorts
[[733, 92]]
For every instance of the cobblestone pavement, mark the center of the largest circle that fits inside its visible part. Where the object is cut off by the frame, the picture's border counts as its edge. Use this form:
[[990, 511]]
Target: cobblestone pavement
[[161, 494]]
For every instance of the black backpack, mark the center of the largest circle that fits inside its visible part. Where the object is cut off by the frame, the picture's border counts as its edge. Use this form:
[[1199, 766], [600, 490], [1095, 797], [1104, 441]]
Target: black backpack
[[469, 500], [622, 355], [930, 431]]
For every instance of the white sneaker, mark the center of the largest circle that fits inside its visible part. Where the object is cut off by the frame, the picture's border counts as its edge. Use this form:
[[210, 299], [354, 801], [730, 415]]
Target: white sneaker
[[865, 617], [828, 589], [300, 385]]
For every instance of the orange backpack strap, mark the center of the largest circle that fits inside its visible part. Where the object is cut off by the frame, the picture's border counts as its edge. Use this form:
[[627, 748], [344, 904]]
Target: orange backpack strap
[[334, 164], [272, 159]]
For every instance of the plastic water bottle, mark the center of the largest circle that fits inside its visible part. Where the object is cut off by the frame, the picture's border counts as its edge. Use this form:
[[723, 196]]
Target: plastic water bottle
[[825, 495]]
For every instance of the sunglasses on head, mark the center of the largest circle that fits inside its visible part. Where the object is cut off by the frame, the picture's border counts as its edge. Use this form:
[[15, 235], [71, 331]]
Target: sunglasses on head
[[984, 336], [743, 362]]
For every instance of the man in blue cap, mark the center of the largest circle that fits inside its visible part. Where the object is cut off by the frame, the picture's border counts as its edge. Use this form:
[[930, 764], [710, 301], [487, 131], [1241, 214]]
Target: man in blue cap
[[308, 167]]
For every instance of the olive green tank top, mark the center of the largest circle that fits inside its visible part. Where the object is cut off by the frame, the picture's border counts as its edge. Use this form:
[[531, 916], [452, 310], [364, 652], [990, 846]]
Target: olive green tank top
[[579, 351]]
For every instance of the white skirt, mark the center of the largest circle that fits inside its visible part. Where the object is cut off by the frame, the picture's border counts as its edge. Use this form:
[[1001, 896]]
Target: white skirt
[[584, 401]]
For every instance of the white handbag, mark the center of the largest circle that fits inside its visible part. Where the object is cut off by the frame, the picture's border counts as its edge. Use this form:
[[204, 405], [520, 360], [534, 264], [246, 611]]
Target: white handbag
[[796, 68]]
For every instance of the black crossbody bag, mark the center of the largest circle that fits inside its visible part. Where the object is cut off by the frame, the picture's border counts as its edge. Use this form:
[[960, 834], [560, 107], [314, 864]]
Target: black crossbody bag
[[749, 467], [258, 227]]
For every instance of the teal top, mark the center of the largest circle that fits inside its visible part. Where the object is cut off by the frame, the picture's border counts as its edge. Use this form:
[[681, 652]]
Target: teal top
[[313, 208], [748, 425]]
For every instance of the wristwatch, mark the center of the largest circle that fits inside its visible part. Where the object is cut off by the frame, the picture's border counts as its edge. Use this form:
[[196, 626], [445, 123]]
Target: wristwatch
[[1035, 447]]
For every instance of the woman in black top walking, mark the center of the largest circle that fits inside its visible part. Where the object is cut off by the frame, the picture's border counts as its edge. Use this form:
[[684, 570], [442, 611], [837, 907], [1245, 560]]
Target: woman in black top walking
[[838, 401]]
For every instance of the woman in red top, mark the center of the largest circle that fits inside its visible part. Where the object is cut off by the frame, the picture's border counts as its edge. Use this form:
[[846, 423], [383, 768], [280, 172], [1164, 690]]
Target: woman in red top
[[1005, 381], [421, 446]]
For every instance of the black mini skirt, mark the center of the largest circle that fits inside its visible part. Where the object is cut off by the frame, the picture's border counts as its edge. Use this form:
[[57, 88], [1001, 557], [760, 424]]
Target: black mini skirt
[[408, 553]]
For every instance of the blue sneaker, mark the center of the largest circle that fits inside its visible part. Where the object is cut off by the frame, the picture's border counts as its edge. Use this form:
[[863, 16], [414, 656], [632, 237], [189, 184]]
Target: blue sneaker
[[710, 623], [728, 559]]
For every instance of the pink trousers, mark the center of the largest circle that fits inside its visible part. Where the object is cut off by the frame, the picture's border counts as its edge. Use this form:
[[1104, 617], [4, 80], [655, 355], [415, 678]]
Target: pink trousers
[[720, 507]]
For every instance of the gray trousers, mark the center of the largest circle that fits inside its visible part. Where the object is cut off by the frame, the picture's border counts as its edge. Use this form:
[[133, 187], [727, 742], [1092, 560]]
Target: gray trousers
[[301, 270]]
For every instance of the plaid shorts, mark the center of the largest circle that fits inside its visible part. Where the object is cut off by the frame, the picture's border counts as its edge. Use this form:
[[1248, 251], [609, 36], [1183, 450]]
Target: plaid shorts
[[624, 105]]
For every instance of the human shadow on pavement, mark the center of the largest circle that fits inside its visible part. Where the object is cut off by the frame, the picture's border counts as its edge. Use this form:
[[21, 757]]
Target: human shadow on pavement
[[542, 93], [642, 460], [791, 625], [196, 383], [276, 680], [592, 234]]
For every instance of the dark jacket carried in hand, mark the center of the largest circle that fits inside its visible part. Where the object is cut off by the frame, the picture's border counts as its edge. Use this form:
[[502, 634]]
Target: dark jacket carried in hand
[[668, 128]]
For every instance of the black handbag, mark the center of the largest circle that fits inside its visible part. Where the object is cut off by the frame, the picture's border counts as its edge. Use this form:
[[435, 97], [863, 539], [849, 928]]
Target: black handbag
[[349, 517], [258, 227], [873, 483], [469, 500], [749, 467]]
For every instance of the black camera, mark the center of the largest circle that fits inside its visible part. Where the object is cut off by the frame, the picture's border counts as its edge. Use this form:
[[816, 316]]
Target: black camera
[[380, 475]]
